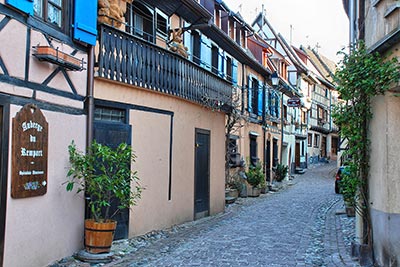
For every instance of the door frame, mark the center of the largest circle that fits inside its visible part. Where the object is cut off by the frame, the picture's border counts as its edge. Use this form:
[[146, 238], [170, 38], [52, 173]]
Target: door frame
[[207, 212], [4, 135]]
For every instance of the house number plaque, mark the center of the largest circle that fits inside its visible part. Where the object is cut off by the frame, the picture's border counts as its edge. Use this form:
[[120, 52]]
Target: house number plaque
[[29, 153]]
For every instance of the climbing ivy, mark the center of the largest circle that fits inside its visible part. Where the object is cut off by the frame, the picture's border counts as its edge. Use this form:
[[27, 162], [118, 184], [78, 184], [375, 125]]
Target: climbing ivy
[[361, 76]]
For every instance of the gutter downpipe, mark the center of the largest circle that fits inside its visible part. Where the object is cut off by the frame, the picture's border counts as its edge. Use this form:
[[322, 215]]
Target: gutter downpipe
[[281, 154], [359, 224], [90, 96]]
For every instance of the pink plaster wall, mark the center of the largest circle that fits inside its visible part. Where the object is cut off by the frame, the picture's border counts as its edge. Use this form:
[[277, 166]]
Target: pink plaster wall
[[42, 229], [150, 140]]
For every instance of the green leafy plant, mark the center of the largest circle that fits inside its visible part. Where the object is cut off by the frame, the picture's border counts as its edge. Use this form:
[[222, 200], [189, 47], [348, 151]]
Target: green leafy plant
[[360, 77], [255, 175], [281, 172], [105, 175]]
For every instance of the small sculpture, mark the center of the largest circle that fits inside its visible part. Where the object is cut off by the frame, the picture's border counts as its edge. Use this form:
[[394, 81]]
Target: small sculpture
[[176, 43], [110, 13]]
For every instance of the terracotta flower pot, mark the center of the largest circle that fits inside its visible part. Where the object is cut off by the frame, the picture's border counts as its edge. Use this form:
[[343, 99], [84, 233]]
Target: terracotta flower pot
[[99, 236]]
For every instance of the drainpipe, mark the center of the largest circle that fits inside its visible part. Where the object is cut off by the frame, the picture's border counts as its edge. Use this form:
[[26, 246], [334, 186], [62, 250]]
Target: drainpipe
[[352, 19], [90, 96], [243, 87], [281, 160]]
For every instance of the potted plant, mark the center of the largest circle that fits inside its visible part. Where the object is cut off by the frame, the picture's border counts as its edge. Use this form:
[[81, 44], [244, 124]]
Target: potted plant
[[281, 172], [254, 177], [105, 175]]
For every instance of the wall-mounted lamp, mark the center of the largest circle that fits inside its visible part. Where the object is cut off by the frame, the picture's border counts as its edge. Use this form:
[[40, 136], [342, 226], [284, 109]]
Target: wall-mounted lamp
[[274, 78], [197, 26]]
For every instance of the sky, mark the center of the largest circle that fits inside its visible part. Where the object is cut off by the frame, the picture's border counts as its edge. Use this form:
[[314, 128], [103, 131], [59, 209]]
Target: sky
[[319, 24]]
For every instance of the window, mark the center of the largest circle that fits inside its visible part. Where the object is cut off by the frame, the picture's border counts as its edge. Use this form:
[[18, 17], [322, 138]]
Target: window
[[196, 47], [253, 150], [285, 114], [109, 114], [303, 117], [254, 98], [322, 113], [51, 11], [274, 104], [229, 69], [316, 140], [234, 156], [214, 59], [162, 23], [309, 139], [140, 21], [238, 34]]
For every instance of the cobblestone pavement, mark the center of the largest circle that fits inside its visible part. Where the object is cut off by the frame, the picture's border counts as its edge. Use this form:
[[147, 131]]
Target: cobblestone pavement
[[297, 226]]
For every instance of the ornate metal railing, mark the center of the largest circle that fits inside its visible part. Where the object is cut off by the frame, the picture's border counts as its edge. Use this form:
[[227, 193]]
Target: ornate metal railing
[[130, 60]]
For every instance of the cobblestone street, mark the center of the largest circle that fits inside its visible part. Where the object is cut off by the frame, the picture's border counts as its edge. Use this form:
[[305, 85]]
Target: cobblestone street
[[297, 226]]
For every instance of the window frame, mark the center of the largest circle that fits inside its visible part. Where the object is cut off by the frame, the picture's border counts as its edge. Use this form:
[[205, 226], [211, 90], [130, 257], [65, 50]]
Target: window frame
[[316, 140], [158, 13], [253, 146], [65, 14]]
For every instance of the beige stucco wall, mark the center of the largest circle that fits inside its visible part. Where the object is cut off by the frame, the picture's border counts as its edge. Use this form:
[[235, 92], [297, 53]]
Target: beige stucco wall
[[42, 229], [384, 183], [150, 140], [385, 167], [381, 25]]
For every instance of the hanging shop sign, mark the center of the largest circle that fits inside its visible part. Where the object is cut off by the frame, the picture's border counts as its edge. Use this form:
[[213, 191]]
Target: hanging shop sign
[[29, 153], [293, 102]]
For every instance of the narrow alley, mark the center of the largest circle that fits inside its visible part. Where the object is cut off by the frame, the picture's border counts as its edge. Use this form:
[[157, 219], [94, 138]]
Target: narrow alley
[[297, 226]]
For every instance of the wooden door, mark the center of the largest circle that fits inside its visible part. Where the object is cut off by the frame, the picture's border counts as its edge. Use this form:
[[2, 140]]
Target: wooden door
[[297, 155], [202, 174], [323, 147]]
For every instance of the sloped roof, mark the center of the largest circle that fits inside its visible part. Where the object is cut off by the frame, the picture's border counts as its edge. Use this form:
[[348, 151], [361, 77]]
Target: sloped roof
[[325, 66]]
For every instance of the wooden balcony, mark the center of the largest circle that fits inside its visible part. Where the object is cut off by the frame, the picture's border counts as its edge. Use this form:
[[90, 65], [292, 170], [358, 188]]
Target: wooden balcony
[[127, 59]]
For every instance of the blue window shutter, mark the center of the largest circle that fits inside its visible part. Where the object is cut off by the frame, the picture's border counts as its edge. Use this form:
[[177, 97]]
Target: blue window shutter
[[23, 5], [234, 72], [205, 52], [260, 99], [85, 21], [278, 106], [249, 95]]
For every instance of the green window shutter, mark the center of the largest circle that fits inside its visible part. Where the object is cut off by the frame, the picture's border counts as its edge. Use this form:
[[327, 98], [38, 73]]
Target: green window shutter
[[85, 21], [25, 6]]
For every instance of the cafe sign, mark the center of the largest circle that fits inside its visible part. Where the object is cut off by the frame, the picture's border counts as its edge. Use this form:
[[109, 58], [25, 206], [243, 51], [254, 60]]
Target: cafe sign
[[29, 153]]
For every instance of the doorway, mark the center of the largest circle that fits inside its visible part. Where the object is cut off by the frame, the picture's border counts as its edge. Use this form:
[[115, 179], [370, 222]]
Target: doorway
[[202, 174], [112, 133]]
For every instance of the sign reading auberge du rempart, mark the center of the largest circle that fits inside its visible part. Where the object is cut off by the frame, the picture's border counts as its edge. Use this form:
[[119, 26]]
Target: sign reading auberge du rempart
[[29, 150]]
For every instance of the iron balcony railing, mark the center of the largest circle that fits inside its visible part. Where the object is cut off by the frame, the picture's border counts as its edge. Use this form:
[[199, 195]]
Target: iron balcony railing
[[130, 60]]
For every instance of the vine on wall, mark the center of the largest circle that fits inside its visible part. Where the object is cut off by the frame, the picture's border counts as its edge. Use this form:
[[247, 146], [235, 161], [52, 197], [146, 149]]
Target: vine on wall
[[361, 76]]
